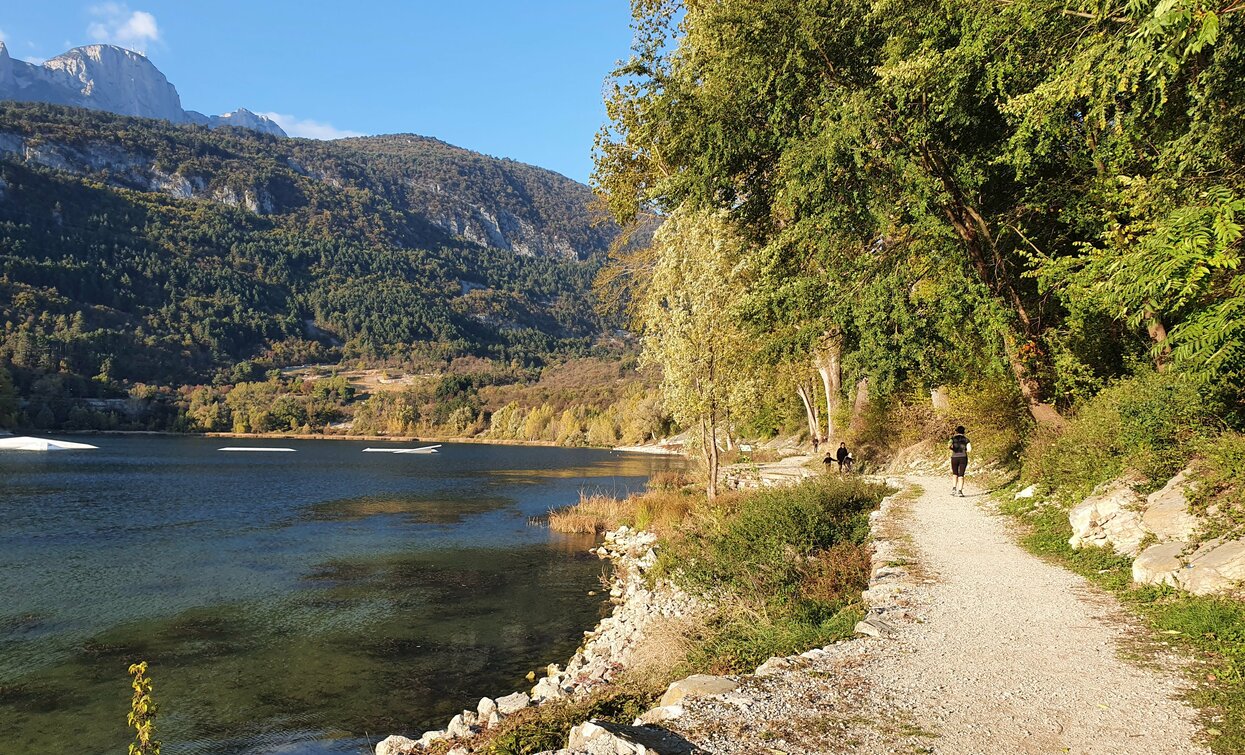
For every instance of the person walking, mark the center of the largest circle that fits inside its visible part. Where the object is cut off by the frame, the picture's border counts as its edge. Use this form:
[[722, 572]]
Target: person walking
[[843, 456], [960, 447], [816, 443]]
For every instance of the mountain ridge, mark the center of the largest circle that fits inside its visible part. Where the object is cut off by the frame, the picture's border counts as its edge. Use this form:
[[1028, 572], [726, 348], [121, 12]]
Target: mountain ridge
[[115, 80]]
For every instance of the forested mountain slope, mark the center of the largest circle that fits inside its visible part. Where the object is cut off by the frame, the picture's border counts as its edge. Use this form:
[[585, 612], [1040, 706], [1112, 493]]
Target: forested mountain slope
[[139, 250]]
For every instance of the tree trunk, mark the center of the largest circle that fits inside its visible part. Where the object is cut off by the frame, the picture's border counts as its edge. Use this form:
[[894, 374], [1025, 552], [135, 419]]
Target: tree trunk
[[860, 405], [810, 410], [711, 448], [1158, 334], [827, 360], [991, 268]]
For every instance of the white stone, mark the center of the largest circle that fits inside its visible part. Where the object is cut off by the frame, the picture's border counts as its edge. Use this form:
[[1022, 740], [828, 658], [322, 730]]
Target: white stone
[[429, 737], [485, 707], [696, 685], [458, 728], [1111, 516], [659, 714], [396, 745], [874, 627], [1218, 566], [1167, 511], [493, 720], [1028, 492], [1160, 564]]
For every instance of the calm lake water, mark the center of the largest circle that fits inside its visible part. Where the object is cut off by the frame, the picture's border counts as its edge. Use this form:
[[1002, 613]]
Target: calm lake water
[[308, 602]]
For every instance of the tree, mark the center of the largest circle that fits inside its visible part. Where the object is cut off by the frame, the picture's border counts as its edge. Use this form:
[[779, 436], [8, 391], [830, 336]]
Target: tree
[[692, 326]]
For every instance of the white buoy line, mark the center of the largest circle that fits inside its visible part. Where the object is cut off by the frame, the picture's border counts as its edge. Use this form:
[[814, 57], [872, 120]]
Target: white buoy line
[[29, 443]]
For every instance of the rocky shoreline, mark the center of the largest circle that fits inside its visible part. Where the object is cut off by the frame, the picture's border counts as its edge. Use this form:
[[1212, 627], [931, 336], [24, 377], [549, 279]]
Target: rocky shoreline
[[608, 649]]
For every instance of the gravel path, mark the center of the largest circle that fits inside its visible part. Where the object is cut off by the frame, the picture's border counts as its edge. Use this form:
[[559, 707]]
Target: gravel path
[[995, 651]]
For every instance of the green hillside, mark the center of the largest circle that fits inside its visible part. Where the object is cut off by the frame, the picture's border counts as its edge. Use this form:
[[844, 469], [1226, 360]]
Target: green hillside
[[136, 250]]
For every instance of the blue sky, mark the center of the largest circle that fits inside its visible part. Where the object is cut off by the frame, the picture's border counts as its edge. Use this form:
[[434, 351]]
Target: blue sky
[[504, 77]]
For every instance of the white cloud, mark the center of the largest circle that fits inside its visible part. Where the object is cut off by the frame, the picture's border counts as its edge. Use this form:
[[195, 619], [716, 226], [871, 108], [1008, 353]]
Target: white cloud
[[3, 38], [116, 24], [309, 129]]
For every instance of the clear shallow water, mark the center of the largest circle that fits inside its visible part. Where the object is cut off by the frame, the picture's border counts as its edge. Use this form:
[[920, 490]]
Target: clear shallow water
[[299, 603]]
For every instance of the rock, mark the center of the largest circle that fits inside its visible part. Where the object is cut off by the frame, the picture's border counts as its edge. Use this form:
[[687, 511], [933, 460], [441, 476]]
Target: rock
[[458, 728], [772, 666], [1160, 564], [396, 745], [494, 720], [659, 714], [512, 703], [601, 738], [875, 627], [485, 707], [1110, 516], [696, 685], [1028, 492], [1218, 566], [459, 751], [1167, 511], [547, 689], [433, 736]]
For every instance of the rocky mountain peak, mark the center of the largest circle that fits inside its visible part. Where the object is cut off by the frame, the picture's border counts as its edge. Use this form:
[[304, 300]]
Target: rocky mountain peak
[[111, 78], [118, 80]]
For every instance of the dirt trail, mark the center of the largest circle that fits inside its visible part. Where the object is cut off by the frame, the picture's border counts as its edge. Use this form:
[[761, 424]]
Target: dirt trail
[[1015, 654], [994, 651]]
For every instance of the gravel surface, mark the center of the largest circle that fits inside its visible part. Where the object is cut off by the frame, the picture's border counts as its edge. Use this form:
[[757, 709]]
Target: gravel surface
[[993, 651]]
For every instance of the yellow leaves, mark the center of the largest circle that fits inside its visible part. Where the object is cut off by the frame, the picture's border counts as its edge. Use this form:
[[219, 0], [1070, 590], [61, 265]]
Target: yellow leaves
[[142, 713]]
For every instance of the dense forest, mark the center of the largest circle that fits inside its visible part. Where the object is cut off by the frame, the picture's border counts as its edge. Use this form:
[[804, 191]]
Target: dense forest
[[138, 256], [1026, 203]]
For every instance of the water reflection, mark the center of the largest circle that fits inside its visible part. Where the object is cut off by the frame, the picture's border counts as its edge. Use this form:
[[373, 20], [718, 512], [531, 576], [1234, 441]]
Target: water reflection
[[300, 607]]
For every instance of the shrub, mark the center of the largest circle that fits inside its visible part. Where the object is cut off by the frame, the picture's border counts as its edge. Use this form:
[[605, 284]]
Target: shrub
[[546, 728], [1219, 495], [786, 565], [1151, 423]]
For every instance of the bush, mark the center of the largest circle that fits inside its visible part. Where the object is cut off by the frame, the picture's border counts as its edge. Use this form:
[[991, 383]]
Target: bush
[[1151, 424], [1219, 496], [787, 567]]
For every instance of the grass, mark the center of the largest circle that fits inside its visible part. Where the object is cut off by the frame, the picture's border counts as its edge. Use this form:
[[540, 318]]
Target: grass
[[1211, 628], [785, 565], [663, 510]]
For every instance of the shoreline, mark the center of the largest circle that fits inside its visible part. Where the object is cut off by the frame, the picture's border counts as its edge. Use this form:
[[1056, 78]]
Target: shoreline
[[651, 449], [609, 647]]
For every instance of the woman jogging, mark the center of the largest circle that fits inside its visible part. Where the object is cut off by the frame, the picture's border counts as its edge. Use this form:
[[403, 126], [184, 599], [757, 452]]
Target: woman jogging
[[959, 460]]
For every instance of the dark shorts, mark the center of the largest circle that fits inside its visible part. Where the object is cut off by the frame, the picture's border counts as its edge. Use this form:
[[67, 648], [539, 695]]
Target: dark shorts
[[959, 464]]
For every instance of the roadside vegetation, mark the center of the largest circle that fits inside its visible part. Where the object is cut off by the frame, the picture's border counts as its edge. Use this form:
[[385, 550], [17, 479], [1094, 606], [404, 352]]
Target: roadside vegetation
[[782, 570]]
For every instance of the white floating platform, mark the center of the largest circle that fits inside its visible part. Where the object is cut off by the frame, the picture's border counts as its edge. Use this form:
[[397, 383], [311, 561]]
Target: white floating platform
[[256, 449], [422, 450], [26, 443]]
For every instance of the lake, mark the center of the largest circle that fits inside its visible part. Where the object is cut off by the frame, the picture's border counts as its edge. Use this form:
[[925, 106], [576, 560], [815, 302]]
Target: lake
[[310, 602]]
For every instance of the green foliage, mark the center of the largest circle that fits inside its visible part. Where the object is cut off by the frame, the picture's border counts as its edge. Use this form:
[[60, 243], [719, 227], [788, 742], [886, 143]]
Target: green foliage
[[1150, 424], [1219, 495], [8, 399], [102, 276], [142, 714], [954, 190], [777, 560]]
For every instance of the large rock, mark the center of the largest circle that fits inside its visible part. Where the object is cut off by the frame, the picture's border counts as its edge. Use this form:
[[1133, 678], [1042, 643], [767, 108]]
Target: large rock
[[1167, 511], [512, 703], [696, 685], [1160, 564], [1111, 516], [1217, 566], [601, 738], [396, 745]]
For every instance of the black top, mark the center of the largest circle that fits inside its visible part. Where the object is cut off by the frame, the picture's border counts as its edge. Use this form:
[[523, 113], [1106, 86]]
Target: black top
[[842, 454], [959, 446]]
